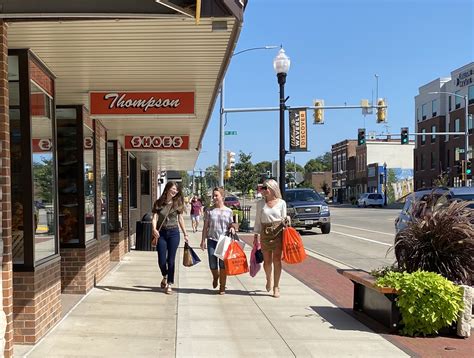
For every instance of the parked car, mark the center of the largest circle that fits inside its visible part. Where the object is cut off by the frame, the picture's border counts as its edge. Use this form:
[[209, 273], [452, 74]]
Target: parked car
[[370, 199], [307, 209], [442, 194], [232, 202]]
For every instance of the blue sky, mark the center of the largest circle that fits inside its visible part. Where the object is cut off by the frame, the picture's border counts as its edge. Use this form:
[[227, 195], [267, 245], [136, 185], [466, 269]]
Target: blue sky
[[336, 47]]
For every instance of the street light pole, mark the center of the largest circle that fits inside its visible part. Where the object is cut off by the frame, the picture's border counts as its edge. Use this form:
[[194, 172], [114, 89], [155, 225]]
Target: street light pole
[[222, 113], [281, 64], [466, 125]]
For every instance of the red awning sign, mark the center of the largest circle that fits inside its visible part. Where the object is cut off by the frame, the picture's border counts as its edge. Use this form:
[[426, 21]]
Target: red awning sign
[[156, 142], [141, 103]]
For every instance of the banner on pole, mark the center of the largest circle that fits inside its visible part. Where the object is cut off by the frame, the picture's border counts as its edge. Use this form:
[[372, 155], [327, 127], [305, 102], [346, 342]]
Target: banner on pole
[[298, 133]]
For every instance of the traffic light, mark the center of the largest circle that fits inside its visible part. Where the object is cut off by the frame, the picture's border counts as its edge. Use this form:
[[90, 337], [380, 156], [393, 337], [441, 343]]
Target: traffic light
[[404, 136], [458, 168], [361, 136], [230, 160], [318, 114], [469, 169], [228, 173], [381, 112]]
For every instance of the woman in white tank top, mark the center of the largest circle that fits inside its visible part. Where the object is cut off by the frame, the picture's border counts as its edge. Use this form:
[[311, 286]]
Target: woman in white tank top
[[268, 230]]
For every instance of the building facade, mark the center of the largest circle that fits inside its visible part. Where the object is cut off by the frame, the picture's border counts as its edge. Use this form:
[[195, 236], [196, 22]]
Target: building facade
[[437, 155], [378, 166], [95, 109]]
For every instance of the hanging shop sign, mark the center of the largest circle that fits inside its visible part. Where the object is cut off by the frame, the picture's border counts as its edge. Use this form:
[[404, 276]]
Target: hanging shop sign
[[298, 133], [141, 103], [159, 142]]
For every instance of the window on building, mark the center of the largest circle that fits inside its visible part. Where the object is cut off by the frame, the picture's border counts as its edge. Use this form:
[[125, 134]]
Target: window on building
[[448, 158], [450, 106], [424, 111], [469, 122], [418, 114], [104, 188], [422, 161], [433, 160], [433, 136], [145, 181], [457, 100], [434, 107], [133, 181], [457, 125], [470, 94], [423, 137]]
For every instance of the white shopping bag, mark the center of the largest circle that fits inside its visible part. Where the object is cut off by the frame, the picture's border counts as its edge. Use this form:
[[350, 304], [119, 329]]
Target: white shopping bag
[[222, 246]]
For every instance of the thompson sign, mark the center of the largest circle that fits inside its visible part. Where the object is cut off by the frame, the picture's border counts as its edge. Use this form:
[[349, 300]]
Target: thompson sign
[[141, 103], [158, 142]]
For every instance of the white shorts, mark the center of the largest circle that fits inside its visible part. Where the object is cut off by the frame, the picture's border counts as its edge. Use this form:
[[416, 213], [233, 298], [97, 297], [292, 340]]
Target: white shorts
[[195, 218]]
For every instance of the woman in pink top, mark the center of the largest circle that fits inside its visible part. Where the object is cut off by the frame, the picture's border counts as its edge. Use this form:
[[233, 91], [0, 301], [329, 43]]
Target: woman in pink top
[[269, 223]]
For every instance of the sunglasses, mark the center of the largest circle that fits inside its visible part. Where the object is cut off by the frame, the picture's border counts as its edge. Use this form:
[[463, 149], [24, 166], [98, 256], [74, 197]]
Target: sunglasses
[[264, 187]]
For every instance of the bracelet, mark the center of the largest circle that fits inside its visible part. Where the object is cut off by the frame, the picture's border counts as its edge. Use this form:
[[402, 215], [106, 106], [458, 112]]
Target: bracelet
[[186, 235]]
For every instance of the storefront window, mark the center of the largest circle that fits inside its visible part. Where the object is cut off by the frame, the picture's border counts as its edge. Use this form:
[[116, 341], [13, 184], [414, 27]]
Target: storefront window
[[68, 166], [43, 173], [119, 182], [89, 183], [104, 220]]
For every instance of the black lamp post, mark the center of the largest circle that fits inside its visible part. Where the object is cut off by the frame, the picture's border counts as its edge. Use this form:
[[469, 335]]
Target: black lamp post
[[281, 64]]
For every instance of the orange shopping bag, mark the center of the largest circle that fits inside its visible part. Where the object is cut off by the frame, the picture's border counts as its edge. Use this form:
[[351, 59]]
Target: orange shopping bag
[[293, 249], [235, 261]]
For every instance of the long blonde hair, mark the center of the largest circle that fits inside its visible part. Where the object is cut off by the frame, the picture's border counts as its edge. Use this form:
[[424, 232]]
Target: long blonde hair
[[273, 186]]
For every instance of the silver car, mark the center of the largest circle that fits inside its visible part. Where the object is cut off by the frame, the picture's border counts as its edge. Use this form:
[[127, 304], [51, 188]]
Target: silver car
[[447, 194], [370, 199]]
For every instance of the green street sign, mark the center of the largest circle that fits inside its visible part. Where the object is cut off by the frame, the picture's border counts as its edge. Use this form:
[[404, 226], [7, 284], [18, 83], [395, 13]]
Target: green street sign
[[230, 133]]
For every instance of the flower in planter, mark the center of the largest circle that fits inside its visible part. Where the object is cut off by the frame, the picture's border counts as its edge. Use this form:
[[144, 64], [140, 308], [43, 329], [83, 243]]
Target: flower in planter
[[439, 238]]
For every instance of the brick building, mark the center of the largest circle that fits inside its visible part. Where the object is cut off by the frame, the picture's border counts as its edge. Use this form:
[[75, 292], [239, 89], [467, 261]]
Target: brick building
[[80, 165], [443, 112]]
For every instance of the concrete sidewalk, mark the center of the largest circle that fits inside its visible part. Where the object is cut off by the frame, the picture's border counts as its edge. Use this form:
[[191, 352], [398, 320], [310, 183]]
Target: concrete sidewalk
[[128, 315]]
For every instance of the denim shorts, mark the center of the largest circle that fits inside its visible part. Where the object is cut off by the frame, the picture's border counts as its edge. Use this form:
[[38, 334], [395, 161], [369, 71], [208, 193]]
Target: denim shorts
[[211, 247]]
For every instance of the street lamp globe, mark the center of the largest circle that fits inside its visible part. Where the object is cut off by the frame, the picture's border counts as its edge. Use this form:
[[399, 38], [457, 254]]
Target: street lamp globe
[[281, 62]]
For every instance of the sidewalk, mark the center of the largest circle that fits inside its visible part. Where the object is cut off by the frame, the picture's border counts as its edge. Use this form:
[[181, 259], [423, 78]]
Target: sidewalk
[[128, 315]]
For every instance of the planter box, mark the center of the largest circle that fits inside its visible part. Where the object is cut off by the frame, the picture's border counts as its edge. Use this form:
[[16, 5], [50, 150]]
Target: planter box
[[376, 302]]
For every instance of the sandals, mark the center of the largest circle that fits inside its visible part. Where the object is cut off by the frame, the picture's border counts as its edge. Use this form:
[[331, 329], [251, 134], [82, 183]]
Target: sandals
[[276, 292], [268, 286], [163, 282]]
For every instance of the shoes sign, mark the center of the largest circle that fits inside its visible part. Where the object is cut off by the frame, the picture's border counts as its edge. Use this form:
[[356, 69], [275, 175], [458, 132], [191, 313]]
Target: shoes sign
[[158, 142]]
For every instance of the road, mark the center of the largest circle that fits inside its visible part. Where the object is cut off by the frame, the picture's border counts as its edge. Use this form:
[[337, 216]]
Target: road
[[359, 238]]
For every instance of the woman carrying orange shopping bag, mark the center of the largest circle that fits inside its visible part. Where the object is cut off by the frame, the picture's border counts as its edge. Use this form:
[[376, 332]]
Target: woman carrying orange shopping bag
[[217, 221], [270, 220]]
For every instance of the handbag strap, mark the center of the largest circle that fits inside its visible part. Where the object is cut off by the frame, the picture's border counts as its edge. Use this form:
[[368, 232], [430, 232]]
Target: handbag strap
[[164, 219]]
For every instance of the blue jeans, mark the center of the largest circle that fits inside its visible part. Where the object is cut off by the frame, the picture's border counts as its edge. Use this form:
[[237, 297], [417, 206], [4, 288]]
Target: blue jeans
[[167, 246], [211, 247]]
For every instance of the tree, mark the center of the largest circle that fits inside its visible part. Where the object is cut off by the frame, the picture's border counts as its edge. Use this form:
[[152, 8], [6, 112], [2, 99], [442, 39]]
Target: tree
[[391, 179], [290, 167], [323, 163], [212, 176], [43, 175], [245, 175], [263, 167]]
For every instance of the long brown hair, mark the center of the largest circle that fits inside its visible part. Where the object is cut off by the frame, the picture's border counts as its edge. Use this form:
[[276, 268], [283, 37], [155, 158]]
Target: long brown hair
[[178, 200]]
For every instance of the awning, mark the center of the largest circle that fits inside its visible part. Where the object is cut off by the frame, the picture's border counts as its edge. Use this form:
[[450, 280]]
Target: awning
[[167, 53]]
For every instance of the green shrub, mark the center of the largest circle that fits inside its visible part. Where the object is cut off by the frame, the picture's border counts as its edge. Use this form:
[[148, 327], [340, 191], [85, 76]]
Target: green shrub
[[427, 301]]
